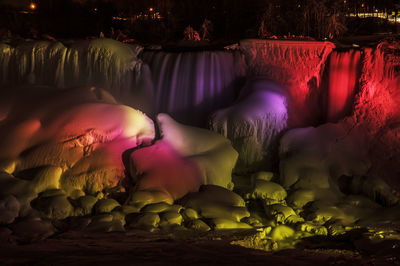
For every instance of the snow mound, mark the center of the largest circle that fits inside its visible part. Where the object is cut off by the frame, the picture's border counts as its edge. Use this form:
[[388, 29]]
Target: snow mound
[[324, 162], [212, 153], [67, 141], [160, 167], [254, 124], [183, 159], [315, 158]]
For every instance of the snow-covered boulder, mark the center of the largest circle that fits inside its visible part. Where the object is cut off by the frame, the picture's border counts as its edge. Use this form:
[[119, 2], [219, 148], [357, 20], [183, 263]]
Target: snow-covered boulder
[[160, 167], [318, 157], [331, 158], [183, 159], [9, 209], [254, 124], [212, 153], [69, 140]]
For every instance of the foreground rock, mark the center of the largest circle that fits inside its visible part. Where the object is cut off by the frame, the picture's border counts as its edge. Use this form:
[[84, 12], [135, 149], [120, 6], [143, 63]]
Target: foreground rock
[[57, 146]]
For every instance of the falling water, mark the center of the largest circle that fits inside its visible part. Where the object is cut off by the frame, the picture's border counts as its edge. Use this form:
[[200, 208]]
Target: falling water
[[344, 70], [191, 85], [104, 63]]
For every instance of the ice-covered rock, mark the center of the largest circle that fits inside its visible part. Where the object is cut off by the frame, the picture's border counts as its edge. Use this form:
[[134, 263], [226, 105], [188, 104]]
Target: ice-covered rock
[[212, 153], [56, 145], [269, 191], [316, 157], [106, 205], [145, 220], [254, 124], [198, 225], [212, 194], [9, 209], [160, 167], [324, 162], [32, 229], [225, 208], [53, 207], [223, 223], [282, 232]]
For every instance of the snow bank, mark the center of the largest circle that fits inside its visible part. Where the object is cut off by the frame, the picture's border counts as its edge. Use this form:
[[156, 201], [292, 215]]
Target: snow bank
[[296, 66], [254, 124]]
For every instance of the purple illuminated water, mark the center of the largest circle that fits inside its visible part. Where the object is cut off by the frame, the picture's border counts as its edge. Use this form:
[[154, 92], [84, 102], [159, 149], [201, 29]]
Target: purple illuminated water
[[191, 85]]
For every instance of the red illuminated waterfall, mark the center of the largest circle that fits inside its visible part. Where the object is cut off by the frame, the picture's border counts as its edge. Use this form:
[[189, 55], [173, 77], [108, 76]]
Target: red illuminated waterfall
[[343, 80]]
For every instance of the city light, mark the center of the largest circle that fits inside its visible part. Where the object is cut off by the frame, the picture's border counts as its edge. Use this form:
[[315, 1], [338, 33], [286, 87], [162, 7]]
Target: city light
[[32, 6], [151, 9]]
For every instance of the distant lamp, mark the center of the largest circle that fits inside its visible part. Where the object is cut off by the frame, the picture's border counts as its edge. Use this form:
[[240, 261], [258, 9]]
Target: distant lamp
[[151, 9], [32, 6]]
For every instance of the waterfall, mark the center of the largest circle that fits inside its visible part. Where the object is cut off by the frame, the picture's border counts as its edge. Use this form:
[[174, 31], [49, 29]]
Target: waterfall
[[104, 63], [296, 66], [191, 85], [343, 71]]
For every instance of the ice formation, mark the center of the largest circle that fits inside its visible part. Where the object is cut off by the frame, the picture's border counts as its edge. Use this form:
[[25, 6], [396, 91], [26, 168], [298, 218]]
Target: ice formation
[[65, 153], [254, 124], [104, 63], [295, 65], [343, 73], [359, 154], [186, 81], [377, 110]]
